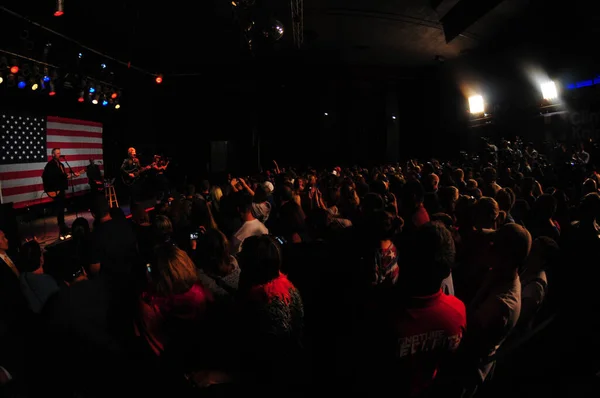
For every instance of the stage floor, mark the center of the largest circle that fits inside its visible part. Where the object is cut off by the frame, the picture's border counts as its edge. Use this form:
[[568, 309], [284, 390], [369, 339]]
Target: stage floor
[[45, 227]]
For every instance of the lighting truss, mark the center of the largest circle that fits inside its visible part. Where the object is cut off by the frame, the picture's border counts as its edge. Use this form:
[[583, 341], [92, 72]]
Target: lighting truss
[[297, 7]]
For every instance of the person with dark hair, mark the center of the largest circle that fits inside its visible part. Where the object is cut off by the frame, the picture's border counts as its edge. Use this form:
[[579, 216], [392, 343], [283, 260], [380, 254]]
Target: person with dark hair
[[261, 207], [201, 215], [381, 229], [490, 187], [116, 213], [251, 225], [13, 316], [218, 271], [205, 190], [415, 327], [542, 222], [113, 245], [495, 310], [506, 201], [36, 286], [271, 314], [56, 182], [291, 223], [80, 333], [162, 230], [95, 179], [534, 279], [413, 211]]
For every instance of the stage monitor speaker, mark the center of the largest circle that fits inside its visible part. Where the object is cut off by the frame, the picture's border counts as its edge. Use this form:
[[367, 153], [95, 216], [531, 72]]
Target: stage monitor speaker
[[218, 156], [9, 225]]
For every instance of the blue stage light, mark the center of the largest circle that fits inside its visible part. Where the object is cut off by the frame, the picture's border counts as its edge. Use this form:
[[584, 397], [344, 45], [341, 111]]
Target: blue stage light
[[22, 84], [104, 103], [92, 90]]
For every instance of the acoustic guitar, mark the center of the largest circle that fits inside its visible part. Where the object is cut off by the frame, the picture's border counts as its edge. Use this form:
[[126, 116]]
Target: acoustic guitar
[[54, 194], [137, 172]]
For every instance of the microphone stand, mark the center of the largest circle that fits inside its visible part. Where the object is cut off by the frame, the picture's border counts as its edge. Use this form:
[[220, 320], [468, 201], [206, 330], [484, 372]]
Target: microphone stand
[[72, 185]]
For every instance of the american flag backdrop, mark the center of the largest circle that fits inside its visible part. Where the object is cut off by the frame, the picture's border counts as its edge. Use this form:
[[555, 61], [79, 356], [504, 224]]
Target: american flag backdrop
[[26, 144]]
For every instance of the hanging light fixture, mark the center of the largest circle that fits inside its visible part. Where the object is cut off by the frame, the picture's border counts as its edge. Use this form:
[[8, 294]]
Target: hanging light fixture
[[60, 8]]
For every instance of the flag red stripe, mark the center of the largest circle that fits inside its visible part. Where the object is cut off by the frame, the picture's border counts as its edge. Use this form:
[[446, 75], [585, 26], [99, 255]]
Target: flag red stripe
[[11, 175], [36, 187], [76, 145], [70, 133], [57, 119], [57, 136], [45, 199], [74, 158]]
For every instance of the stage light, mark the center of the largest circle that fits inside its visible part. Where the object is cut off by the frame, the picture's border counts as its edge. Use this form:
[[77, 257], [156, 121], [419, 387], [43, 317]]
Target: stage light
[[159, 79], [104, 103], [46, 79], [34, 86], [21, 83], [95, 100], [14, 69], [1, 80], [52, 93], [113, 95], [80, 99], [103, 66], [92, 90], [549, 90], [393, 117], [117, 106], [476, 104], [326, 114], [60, 8], [80, 55]]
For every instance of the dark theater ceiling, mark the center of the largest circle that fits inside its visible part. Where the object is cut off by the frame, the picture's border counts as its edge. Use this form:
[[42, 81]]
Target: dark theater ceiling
[[181, 37]]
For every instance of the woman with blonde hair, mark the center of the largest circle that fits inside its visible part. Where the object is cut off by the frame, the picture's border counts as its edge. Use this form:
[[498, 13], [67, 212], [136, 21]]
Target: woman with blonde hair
[[174, 303], [215, 198]]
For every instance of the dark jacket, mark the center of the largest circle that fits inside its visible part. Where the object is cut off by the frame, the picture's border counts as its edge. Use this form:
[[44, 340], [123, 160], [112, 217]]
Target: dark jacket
[[54, 177], [13, 320]]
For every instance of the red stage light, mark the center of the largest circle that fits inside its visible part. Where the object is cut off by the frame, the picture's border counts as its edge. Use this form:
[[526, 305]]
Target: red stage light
[[80, 99], [159, 79], [14, 69], [51, 93], [58, 13], [113, 96]]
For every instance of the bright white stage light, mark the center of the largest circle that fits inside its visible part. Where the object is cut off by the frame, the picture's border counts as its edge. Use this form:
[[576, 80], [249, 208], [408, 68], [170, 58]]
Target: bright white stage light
[[476, 104], [549, 90]]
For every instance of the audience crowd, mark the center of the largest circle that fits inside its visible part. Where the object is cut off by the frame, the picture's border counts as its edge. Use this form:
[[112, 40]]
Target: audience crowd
[[420, 280]]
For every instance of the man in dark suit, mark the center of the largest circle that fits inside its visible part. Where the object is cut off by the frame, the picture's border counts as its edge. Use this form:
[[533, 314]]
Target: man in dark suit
[[56, 182], [13, 314], [94, 178]]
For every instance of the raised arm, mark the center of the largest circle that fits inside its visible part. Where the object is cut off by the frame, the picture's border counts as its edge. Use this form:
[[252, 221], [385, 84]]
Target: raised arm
[[246, 186]]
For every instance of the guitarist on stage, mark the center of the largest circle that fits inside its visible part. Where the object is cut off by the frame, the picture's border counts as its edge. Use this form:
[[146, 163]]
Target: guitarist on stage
[[56, 182], [130, 171]]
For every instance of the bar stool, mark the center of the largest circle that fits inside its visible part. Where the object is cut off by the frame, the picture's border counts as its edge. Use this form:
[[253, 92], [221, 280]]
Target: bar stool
[[110, 193]]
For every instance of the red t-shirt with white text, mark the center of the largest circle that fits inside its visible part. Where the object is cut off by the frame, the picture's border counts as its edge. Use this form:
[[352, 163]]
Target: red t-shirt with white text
[[418, 334]]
